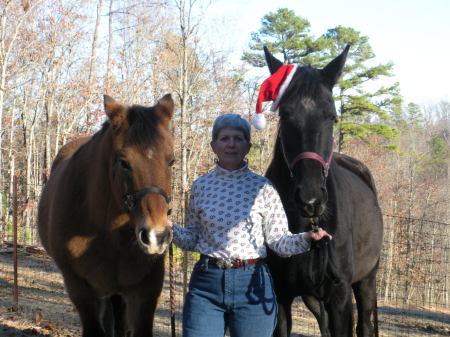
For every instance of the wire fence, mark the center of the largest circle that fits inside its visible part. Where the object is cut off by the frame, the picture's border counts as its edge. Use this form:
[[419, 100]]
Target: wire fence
[[413, 286]]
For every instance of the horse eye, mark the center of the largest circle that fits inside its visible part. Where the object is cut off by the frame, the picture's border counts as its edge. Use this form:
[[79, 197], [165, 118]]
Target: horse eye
[[171, 163], [125, 165]]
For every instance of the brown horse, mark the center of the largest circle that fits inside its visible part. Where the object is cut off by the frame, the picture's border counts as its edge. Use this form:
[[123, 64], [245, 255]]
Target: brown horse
[[103, 218]]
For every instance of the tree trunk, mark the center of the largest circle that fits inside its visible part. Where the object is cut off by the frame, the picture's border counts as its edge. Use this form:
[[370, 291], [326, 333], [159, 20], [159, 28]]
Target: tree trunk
[[6, 47], [110, 41], [94, 42]]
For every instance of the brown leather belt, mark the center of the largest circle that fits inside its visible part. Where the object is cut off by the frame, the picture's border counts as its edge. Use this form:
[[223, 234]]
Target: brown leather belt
[[226, 264]]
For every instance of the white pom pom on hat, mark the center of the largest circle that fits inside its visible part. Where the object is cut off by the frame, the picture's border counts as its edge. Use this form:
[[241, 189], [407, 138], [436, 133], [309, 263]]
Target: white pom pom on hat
[[259, 121], [272, 89]]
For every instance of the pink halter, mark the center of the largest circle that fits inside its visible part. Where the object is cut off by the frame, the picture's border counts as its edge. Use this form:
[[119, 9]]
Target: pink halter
[[314, 156], [307, 155]]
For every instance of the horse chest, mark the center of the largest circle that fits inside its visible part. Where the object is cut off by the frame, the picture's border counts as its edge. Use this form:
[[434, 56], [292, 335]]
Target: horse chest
[[109, 270]]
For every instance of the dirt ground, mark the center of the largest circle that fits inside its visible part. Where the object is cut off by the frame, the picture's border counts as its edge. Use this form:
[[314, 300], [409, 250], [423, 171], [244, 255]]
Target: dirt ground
[[45, 310]]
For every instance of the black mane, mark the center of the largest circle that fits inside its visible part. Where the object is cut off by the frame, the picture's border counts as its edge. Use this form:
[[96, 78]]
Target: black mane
[[305, 84]]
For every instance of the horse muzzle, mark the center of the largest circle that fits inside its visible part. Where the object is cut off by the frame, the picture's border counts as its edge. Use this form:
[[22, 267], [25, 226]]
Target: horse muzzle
[[312, 209], [152, 241], [311, 206]]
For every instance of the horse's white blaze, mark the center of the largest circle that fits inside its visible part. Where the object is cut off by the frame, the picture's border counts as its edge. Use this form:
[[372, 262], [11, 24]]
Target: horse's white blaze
[[150, 154], [154, 247], [312, 201], [308, 103], [152, 238]]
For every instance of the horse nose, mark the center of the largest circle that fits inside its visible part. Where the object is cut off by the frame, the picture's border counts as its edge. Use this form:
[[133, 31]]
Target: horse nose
[[164, 237], [153, 241], [310, 204], [313, 208]]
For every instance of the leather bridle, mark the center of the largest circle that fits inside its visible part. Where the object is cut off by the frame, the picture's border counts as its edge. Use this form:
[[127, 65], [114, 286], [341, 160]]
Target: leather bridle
[[306, 155], [131, 199]]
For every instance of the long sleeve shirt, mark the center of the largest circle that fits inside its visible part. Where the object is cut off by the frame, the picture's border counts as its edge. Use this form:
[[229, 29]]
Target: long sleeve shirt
[[232, 215]]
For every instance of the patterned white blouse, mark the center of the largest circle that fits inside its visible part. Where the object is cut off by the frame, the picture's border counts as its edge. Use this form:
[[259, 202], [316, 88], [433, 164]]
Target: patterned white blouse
[[232, 214]]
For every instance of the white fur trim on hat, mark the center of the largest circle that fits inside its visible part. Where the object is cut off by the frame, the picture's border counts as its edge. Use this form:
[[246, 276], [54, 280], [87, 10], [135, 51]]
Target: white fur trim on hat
[[283, 88], [259, 121]]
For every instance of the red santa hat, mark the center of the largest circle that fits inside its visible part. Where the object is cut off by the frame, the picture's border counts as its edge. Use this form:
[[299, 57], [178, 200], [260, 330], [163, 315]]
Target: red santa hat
[[272, 89]]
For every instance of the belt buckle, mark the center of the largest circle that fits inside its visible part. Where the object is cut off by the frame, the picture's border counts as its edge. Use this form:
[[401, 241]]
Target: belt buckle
[[224, 263]]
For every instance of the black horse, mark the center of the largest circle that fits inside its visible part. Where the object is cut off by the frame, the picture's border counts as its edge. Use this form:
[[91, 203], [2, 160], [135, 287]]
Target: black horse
[[331, 190]]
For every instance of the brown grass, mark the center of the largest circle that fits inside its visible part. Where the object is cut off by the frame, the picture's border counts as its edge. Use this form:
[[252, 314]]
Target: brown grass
[[45, 309]]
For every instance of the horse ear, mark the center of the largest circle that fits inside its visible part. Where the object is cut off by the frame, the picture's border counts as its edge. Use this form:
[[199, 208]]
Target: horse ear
[[166, 106], [116, 112], [333, 70], [272, 62]]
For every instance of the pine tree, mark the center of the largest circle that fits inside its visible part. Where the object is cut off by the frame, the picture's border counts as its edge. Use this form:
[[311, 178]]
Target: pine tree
[[363, 112], [284, 33]]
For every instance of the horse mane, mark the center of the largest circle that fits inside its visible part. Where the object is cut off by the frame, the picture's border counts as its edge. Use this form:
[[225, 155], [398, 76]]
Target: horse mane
[[305, 83], [356, 167], [277, 163], [67, 150], [143, 127], [143, 123], [143, 131]]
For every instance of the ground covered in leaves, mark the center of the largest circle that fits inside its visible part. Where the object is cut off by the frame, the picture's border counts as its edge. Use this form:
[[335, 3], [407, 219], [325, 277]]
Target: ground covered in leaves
[[45, 310]]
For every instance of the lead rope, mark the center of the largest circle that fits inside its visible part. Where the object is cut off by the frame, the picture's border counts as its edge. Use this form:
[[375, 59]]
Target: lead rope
[[327, 270]]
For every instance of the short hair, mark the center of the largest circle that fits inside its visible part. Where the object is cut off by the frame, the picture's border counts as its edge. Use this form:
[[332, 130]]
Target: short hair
[[234, 121]]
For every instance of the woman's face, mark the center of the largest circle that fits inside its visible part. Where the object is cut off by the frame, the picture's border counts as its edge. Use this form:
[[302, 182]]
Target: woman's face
[[231, 147]]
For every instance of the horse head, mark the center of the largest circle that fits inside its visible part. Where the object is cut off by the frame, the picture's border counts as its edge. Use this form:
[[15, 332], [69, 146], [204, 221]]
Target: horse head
[[142, 153], [305, 138]]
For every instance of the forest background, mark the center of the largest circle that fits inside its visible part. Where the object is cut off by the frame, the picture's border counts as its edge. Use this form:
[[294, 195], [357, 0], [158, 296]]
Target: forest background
[[58, 58]]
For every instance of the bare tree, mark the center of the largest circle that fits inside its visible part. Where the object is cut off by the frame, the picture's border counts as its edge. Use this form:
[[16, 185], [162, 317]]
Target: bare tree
[[13, 15]]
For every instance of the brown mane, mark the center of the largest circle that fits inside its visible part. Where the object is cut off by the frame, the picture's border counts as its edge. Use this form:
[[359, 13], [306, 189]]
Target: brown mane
[[67, 150]]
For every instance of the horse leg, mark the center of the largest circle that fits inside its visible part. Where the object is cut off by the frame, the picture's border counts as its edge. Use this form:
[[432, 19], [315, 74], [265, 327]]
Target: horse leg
[[140, 311], [87, 303], [284, 318], [118, 309], [107, 316], [113, 316], [365, 295], [340, 310], [321, 315]]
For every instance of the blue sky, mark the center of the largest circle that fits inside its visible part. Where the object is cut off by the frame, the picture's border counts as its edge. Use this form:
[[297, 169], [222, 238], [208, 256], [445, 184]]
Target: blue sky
[[414, 34]]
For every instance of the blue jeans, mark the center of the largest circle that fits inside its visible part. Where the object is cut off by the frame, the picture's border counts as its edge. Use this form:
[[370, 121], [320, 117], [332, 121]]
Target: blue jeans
[[239, 299]]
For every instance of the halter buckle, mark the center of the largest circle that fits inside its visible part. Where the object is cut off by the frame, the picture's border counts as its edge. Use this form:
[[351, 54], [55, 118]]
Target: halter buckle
[[129, 201]]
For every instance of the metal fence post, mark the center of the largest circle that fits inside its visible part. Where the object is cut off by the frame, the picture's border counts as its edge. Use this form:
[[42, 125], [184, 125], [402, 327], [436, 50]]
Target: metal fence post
[[172, 290], [16, 288]]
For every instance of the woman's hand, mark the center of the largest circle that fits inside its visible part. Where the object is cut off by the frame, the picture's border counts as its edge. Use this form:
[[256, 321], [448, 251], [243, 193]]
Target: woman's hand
[[316, 236]]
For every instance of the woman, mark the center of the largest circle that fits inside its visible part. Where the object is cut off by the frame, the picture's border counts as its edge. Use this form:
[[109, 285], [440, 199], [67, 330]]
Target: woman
[[233, 214]]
